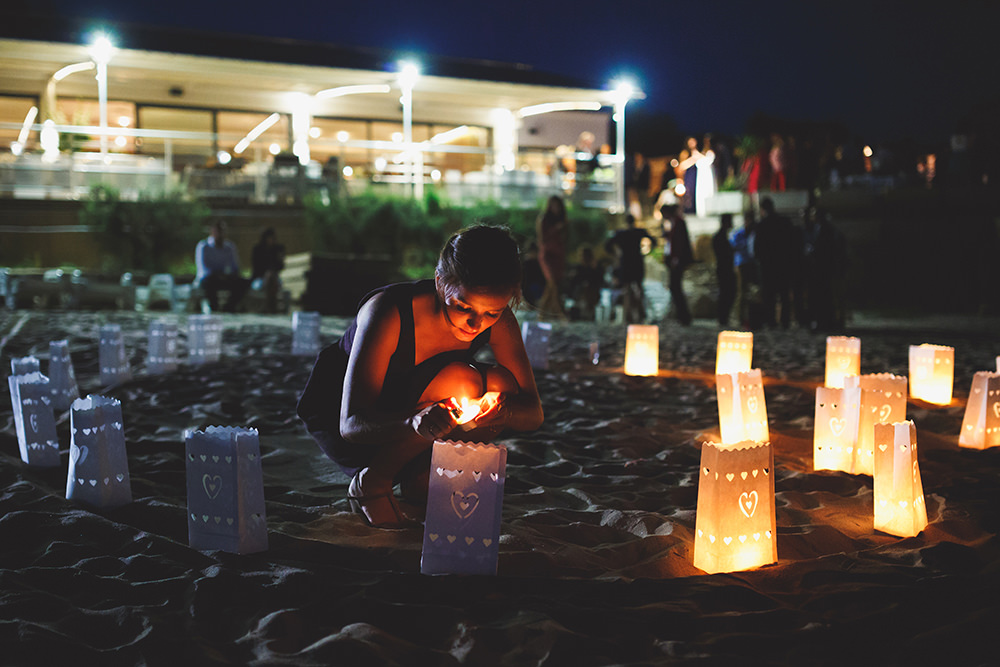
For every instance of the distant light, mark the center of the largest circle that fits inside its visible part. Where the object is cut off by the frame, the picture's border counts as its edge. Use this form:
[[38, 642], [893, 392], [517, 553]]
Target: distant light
[[121, 142], [397, 137], [343, 136], [549, 107], [16, 147], [73, 69], [435, 175], [29, 119], [330, 93], [256, 132], [124, 121], [101, 49], [274, 149], [623, 91], [867, 151], [348, 171], [315, 132], [381, 164], [223, 157], [679, 189], [408, 74], [674, 163]]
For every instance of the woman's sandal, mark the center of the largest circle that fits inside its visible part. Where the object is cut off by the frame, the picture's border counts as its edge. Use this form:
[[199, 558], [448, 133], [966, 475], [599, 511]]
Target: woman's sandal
[[379, 510]]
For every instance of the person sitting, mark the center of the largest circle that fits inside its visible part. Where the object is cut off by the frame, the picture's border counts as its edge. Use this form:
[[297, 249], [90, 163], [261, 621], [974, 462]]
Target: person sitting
[[219, 269], [380, 396], [267, 261]]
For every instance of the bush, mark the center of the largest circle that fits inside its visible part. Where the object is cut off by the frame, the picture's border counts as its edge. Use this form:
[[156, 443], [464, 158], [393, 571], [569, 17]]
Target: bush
[[151, 234], [412, 232]]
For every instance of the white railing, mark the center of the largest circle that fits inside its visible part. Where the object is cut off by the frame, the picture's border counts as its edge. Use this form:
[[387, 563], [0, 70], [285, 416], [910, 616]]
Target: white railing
[[70, 175]]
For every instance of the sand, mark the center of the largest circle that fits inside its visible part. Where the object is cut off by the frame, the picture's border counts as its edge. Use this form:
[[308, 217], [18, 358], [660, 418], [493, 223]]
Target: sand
[[595, 563]]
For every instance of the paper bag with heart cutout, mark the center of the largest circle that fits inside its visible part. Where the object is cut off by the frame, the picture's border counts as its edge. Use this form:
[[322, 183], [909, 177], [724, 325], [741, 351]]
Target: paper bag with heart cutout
[[225, 490], [536, 343], [98, 464], [113, 360], [981, 424], [305, 333], [34, 420], [843, 358], [742, 410], [62, 377], [932, 373], [835, 430], [899, 492], [735, 519], [883, 401], [162, 356], [464, 504], [204, 339]]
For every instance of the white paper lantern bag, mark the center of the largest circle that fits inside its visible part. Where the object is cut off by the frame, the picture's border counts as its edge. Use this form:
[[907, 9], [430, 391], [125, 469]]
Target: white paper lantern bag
[[742, 409], [305, 333], [932, 373], [225, 490], [163, 355], [733, 352], [62, 377], [34, 420], [112, 357], [536, 343], [883, 401], [642, 349], [98, 462], [899, 493], [464, 506], [981, 424], [204, 339], [24, 365], [835, 430], [843, 358]]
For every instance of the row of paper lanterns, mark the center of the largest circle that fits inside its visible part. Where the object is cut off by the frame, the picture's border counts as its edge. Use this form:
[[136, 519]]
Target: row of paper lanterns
[[224, 474]]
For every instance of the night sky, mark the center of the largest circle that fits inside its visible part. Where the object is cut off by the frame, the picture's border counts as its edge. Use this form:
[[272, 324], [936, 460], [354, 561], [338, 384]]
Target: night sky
[[885, 70]]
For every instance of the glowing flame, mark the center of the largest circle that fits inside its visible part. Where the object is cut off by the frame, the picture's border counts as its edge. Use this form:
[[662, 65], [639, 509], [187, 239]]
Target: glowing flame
[[470, 408]]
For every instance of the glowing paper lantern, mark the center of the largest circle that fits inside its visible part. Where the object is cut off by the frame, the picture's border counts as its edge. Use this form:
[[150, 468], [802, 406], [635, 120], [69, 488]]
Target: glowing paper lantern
[[883, 401], [24, 365], [98, 464], [932, 373], [204, 339], [742, 411], [111, 355], [735, 520], [305, 334], [62, 378], [163, 356], [536, 343], [981, 425], [34, 421], [835, 434], [733, 352], [225, 490], [843, 358], [899, 493], [642, 349], [464, 503]]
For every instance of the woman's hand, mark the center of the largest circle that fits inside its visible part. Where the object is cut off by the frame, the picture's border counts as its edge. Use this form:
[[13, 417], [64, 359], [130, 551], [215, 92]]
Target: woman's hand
[[494, 411], [436, 420]]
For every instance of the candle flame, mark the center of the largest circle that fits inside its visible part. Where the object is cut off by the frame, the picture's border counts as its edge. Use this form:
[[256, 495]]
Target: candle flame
[[470, 408]]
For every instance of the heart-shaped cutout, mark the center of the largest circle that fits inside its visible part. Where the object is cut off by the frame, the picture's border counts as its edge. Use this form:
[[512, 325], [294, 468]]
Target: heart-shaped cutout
[[212, 484], [996, 409], [120, 477], [743, 538], [752, 403], [476, 475], [756, 537], [452, 538], [470, 540], [884, 412], [837, 425], [730, 476], [743, 474], [748, 503], [711, 539], [464, 504], [79, 454], [882, 448], [433, 536], [727, 540], [487, 541]]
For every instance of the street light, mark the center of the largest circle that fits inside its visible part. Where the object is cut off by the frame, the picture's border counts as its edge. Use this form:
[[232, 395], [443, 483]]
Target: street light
[[100, 51], [408, 75], [623, 92]]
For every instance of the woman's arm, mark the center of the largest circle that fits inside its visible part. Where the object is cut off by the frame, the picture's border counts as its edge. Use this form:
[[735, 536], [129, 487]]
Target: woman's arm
[[374, 343], [521, 411]]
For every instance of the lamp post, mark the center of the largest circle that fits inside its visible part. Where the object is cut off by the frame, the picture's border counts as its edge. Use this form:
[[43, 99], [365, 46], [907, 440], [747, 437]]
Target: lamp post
[[408, 74], [622, 94], [101, 51]]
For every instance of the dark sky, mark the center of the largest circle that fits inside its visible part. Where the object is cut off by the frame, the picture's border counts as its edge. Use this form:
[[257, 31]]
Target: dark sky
[[886, 70]]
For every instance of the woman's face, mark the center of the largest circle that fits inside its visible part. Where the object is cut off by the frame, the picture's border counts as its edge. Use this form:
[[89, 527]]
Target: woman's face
[[469, 312]]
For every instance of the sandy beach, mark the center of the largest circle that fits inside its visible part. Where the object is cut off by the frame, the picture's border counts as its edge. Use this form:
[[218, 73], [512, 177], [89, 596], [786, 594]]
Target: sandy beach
[[595, 564]]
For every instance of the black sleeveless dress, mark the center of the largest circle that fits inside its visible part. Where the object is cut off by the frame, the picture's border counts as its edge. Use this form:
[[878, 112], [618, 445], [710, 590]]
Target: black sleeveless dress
[[405, 381]]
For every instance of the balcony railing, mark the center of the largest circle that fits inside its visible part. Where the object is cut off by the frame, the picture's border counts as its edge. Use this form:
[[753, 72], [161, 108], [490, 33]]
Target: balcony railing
[[184, 161]]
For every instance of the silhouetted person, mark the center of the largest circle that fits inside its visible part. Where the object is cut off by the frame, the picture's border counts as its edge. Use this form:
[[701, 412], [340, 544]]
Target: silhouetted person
[[725, 269], [677, 255], [772, 248], [747, 274], [267, 261], [824, 265], [552, 233], [219, 269], [586, 282], [631, 269]]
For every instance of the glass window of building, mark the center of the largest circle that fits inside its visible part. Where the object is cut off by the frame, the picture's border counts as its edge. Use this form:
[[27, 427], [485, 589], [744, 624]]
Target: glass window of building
[[87, 113], [334, 141], [235, 125], [197, 147]]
